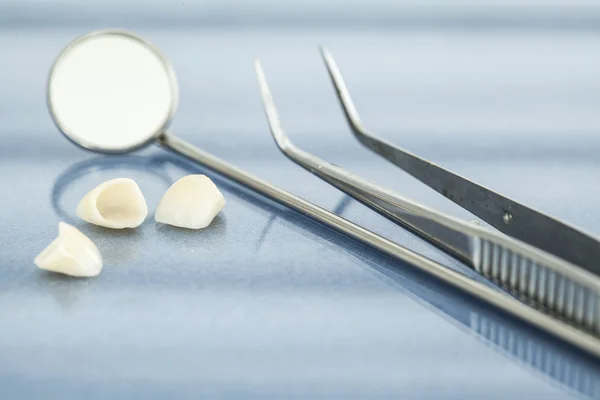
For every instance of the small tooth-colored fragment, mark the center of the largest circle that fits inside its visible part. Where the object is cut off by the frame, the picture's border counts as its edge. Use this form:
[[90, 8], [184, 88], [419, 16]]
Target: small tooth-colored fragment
[[118, 204], [71, 253], [192, 202]]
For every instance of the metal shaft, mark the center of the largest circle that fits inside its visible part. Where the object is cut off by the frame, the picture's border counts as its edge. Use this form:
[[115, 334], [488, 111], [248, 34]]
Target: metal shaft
[[493, 297]]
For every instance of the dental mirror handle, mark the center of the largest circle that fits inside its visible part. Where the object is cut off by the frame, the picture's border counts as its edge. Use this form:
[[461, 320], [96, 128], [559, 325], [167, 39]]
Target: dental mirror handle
[[462, 282]]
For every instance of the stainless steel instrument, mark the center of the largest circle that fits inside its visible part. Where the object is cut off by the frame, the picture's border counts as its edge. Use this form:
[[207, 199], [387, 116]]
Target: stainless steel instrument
[[534, 263], [100, 74]]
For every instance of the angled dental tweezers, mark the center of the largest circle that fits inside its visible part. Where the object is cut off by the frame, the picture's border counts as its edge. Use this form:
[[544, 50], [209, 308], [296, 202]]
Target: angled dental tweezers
[[543, 262]]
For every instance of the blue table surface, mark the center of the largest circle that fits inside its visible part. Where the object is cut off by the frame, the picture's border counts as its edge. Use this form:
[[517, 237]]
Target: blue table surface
[[266, 303]]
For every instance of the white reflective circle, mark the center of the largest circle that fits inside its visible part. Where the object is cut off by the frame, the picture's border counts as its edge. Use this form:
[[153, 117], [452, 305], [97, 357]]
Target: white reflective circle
[[112, 92]]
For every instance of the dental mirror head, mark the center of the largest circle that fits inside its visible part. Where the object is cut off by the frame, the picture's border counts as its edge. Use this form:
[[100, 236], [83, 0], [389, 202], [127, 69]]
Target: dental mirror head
[[112, 92]]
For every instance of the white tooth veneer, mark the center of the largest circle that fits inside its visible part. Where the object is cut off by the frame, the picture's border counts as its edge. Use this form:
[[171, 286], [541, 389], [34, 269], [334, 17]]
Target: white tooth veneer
[[117, 204], [71, 253], [192, 202]]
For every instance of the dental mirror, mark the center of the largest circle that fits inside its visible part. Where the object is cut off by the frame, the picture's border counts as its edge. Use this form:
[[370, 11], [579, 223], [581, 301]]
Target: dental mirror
[[111, 92]]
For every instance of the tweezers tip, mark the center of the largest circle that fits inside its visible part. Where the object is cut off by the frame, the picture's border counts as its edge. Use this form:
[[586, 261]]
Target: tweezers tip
[[257, 65], [341, 91], [325, 54]]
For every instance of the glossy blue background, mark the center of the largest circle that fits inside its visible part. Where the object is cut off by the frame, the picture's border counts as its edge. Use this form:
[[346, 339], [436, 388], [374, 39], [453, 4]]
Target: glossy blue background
[[265, 303]]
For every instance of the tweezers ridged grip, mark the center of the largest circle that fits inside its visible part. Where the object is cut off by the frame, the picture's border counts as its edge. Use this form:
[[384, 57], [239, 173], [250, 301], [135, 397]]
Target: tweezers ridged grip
[[538, 283]]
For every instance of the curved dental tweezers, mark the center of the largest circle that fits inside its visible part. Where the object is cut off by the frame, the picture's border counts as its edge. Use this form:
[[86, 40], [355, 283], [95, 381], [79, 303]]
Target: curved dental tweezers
[[508, 216], [566, 291]]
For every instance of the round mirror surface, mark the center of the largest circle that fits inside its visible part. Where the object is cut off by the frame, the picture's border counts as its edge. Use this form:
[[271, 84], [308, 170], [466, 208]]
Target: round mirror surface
[[111, 92]]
